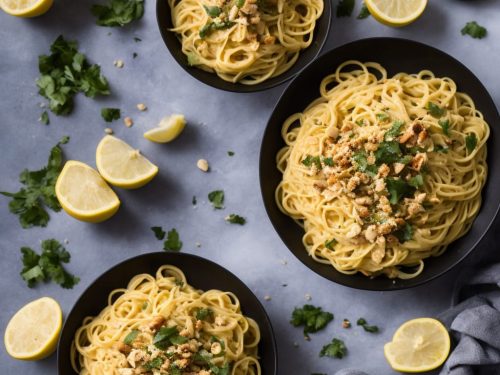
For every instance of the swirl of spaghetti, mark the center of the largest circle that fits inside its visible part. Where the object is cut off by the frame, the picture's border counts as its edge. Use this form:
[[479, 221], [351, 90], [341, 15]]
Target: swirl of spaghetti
[[162, 325], [383, 172], [246, 41]]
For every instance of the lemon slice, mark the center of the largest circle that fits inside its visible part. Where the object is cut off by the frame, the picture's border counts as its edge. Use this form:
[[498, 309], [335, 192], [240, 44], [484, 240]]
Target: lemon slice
[[25, 8], [419, 345], [84, 194], [168, 129], [396, 12], [33, 331], [123, 166]]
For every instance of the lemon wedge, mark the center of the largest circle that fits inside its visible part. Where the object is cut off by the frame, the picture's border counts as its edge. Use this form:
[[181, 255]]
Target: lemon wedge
[[167, 130], [396, 13], [25, 8], [123, 166], [84, 194], [419, 345], [33, 331]]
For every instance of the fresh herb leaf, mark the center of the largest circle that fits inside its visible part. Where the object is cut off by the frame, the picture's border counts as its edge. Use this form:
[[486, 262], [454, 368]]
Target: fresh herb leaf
[[47, 265], [240, 3], [311, 317], [212, 11], [204, 313], [439, 148], [134, 55], [435, 110], [471, 142], [110, 114], [335, 349], [129, 339], [193, 59], [388, 152], [137, 40], [235, 219], [38, 193], [179, 283], [118, 12], [360, 158], [404, 234], [362, 322], [216, 197], [445, 125], [194, 201], [212, 26], [394, 131], [167, 336], [44, 118], [159, 233], [398, 189], [405, 159], [345, 8], [154, 363], [329, 244], [144, 305], [416, 181], [309, 161], [174, 369], [173, 242], [364, 12], [382, 116], [230, 153], [328, 162], [360, 122], [474, 30]]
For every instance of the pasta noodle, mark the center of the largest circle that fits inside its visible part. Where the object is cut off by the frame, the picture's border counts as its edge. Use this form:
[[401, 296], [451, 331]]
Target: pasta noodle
[[162, 325], [246, 41], [383, 172]]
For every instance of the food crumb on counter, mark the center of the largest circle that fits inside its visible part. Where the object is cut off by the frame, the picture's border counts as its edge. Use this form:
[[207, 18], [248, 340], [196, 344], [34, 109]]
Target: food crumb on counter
[[295, 344], [284, 262], [108, 131], [128, 122], [346, 323], [267, 297], [202, 164], [141, 107], [198, 244], [308, 297], [118, 63]]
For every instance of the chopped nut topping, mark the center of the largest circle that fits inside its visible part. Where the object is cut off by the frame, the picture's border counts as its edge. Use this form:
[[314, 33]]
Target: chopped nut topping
[[141, 107], [128, 122], [202, 164], [118, 63]]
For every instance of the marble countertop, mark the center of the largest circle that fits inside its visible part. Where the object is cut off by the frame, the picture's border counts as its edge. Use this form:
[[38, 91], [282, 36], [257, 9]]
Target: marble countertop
[[218, 121]]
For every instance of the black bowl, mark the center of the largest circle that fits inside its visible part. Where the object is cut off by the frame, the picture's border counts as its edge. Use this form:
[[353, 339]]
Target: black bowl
[[396, 55], [201, 273], [163, 16]]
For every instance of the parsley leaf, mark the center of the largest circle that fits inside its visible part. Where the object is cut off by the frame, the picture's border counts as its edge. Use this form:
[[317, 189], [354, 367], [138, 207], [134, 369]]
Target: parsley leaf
[[38, 193], [235, 219], [47, 265], [435, 110], [445, 125], [345, 8], [398, 189], [129, 339], [204, 313], [362, 322], [394, 131], [209, 27], [110, 114], [44, 118], [474, 30], [212, 11], [216, 197], [388, 152], [159, 233], [382, 116], [416, 181], [154, 363], [167, 336], [328, 162], [118, 12], [364, 12], [311, 317], [230, 153], [360, 158], [335, 349], [404, 234], [173, 242], [471, 142], [329, 244], [309, 161]]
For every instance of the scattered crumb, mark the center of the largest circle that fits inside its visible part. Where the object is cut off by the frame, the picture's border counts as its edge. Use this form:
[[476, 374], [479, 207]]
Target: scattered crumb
[[108, 131], [141, 107], [267, 298], [66, 241], [134, 55], [42, 105], [128, 122], [346, 323], [118, 63], [284, 285], [307, 338], [295, 344], [284, 262], [202, 164], [308, 297], [198, 244]]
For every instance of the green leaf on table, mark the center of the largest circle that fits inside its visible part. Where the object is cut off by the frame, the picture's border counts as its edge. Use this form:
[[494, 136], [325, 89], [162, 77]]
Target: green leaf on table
[[335, 349], [110, 114], [474, 30], [311, 317], [216, 197], [173, 242], [235, 219], [364, 12], [118, 12], [368, 328], [159, 233], [44, 118]]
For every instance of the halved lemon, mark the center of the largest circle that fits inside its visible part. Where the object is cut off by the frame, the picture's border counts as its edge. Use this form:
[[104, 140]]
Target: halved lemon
[[123, 166], [167, 130], [84, 194], [396, 13], [33, 331], [25, 8], [419, 345]]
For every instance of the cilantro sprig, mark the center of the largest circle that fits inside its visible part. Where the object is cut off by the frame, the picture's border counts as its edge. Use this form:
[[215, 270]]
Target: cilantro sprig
[[235, 219], [173, 242], [110, 114], [216, 197], [368, 328], [335, 349], [311, 317], [118, 12], [474, 30]]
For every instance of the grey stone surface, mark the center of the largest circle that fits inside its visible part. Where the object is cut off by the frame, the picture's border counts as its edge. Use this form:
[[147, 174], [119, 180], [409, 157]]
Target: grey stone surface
[[218, 122]]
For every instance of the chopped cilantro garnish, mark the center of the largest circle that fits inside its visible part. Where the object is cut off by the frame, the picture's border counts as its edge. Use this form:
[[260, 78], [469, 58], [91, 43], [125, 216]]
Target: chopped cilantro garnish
[[394, 131], [192, 59], [129, 339], [388, 152], [471, 142], [345, 8], [335, 349], [134, 55], [173, 242], [154, 363], [364, 12], [416, 181], [435, 110], [167, 336], [328, 162], [216, 197], [204, 313], [212, 11], [137, 40], [144, 305], [360, 122], [329, 244], [311, 317], [361, 160], [44, 118], [445, 125], [110, 114], [240, 3], [309, 161], [230, 153], [47, 265], [38, 193], [118, 12], [235, 219], [439, 148], [212, 26], [362, 322], [474, 30], [398, 189], [159, 233], [404, 234], [382, 116], [194, 201]]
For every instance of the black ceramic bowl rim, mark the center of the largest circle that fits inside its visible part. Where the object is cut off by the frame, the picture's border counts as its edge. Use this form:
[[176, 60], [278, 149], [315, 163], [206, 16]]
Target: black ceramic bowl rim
[[152, 261], [306, 56], [307, 84]]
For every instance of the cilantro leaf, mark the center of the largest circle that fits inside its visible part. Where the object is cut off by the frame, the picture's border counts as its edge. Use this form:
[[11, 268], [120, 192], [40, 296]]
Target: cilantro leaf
[[328, 162], [394, 131], [335, 349], [345, 8], [362, 322], [474, 30], [435, 110], [154, 363], [110, 114], [360, 158], [159, 233], [118, 12], [173, 242], [445, 125], [129, 339], [230, 153], [216, 197], [471, 142], [416, 181], [44, 118], [235, 219], [212, 26], [388, 152], [311, 317], [38, 193], [212, 11], [167, 336], [47, 266], [310, 160], [382, 116], [204, 313], [398, 189], [404, 234], [364, 12], [329, 244]]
